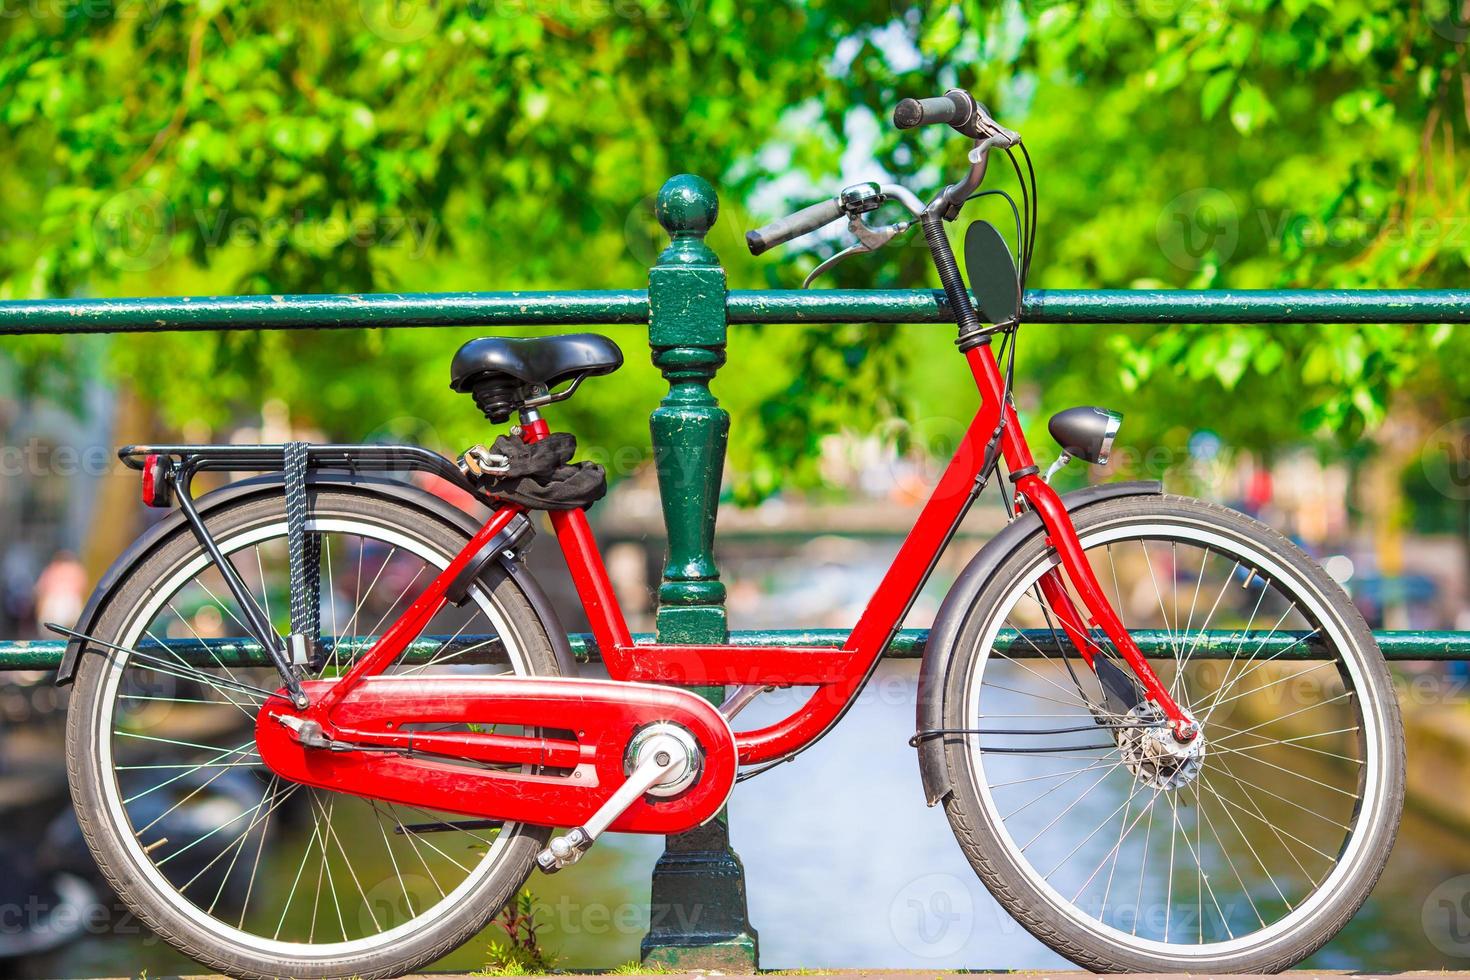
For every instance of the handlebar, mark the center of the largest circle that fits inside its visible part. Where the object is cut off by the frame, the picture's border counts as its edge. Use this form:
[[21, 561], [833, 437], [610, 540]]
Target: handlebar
[[783, 230], [954, 107], [957, 108]]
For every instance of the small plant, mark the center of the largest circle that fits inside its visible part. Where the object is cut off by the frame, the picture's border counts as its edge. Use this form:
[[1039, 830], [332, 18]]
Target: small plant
[[520, 953], [633, 968]]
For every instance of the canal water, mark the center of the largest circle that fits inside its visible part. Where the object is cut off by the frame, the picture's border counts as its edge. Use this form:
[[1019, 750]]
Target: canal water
[[845, 865]]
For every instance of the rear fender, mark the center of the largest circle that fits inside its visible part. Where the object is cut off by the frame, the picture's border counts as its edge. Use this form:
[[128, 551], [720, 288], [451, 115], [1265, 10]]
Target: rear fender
[[939, 651], [157, 535]]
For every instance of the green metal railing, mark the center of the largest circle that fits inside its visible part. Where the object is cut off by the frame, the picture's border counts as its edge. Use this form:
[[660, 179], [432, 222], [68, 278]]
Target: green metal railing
[[610, 306], [688, 308]]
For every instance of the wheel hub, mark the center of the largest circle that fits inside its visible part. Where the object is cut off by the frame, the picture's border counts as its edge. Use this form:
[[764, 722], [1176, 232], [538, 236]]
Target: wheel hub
[[1153, 754]]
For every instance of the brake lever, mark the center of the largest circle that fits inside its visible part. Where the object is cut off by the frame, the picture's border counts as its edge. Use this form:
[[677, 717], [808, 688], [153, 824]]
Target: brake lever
[[870, 239]]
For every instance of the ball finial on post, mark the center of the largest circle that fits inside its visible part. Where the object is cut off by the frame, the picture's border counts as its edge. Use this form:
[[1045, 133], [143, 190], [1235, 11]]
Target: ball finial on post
[[687, 208]]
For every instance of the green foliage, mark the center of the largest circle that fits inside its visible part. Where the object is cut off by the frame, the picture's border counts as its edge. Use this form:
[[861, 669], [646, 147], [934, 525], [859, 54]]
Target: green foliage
[[633, 968], [184, 146], [521, 952]]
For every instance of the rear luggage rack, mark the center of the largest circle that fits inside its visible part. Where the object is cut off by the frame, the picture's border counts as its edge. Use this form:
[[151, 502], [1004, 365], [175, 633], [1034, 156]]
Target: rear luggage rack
[[350, 457]]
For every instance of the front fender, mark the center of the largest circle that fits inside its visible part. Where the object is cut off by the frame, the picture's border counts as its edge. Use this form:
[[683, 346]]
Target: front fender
[[944, 634], [407, 493]]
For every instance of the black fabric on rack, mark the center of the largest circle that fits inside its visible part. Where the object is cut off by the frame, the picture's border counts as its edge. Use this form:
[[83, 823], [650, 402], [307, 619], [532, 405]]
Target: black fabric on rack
[[541, 475]]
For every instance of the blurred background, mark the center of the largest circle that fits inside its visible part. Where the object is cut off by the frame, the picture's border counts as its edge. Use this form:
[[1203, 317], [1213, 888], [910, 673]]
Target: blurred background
[[154, 147]]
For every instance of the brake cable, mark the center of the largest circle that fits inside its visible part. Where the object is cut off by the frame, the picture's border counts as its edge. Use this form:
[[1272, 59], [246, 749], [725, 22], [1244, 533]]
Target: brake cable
[[181, 669], [931, 733]]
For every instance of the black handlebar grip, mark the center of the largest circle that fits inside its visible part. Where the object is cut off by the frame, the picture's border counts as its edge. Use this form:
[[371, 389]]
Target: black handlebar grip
[[782, 230], [921, 112]]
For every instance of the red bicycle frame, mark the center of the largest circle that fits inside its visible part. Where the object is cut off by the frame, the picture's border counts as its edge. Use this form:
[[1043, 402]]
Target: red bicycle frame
[[838, 675]]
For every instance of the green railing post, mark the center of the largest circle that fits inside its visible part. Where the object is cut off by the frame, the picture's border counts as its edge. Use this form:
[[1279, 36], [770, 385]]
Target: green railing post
[[699, 918]]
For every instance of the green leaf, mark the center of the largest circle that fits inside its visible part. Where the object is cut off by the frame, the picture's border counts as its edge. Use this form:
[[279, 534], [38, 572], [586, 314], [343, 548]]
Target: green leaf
[[1215, 89], [1250, 109]]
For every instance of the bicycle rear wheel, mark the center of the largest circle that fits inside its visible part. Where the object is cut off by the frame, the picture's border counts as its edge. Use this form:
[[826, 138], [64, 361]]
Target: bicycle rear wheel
[[1245, 854], [242, 871]]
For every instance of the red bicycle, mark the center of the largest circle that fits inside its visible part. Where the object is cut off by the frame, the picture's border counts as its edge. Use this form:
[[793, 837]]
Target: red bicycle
[[324, 723]]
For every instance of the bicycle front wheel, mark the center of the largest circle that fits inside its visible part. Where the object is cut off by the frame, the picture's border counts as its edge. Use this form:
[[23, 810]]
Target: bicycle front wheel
[[241, 870], [1245, 853]]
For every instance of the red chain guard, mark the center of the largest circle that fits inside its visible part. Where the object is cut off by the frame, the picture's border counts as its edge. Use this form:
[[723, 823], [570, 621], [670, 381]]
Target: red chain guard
[[588, 724]]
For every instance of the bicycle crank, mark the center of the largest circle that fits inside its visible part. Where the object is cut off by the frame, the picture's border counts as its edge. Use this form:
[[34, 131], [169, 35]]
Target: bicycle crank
[[663, 760], [593, 755]]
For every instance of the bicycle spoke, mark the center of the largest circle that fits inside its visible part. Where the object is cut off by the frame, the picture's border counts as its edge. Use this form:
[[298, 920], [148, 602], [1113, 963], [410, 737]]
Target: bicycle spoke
[[222, 692], [1148, 563], [1280, 680], [1244, 889], [329, 592], [238, 844], [1293, 714], [1103, 823], [357, 609], [384, 618], [1051, 775], [1069, 808], [1173, 843], [1036, 799], [1205, 626], [1294, 743], [254, 870], [1284, 799], [393, 859], [1031, 694], [1227, 802], [351, 871], [1231, 682], [211, 764], [1123, 830], [410, 837], [1148, 831]]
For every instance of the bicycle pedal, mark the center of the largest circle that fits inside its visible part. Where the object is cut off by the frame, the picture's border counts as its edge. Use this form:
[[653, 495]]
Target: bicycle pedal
[[663, 759], [564, 850]]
